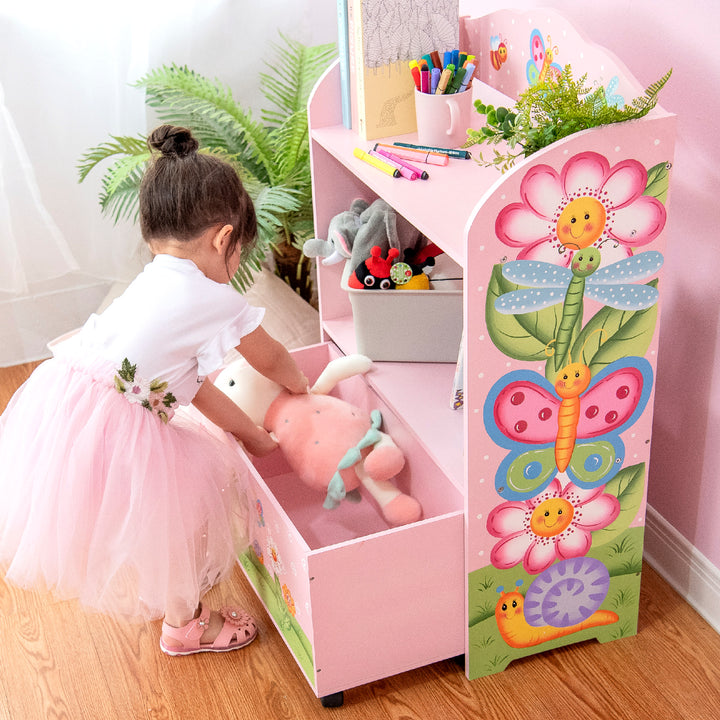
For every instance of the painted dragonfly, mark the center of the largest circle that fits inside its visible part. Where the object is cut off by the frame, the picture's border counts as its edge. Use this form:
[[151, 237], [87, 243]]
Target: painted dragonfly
[[546, 284]]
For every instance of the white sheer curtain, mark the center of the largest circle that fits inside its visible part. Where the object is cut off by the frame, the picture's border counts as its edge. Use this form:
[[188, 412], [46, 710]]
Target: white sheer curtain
[[65, 75]]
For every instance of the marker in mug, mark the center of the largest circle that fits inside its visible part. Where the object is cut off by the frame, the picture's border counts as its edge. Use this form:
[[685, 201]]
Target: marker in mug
[[434, 80], [415, 70], [450, 152], [429, 157], [425, 80], [405, 172], [376, 162], [444, 80], [469, 70], [422, 174], [456, 81]]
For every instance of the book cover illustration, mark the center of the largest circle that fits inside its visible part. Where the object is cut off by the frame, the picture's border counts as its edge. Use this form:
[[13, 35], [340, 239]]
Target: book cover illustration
[[388, 34]]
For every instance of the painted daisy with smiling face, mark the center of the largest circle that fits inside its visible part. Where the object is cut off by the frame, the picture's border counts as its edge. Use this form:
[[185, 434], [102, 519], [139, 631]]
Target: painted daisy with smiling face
[[588, 204], [557, 524]]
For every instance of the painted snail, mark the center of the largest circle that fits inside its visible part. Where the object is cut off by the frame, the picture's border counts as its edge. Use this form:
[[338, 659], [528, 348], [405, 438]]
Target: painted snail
[[562, 600]]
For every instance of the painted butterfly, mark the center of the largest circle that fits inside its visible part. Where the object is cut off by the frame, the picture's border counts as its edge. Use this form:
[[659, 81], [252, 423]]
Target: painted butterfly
[[524, 413], [541, 65]]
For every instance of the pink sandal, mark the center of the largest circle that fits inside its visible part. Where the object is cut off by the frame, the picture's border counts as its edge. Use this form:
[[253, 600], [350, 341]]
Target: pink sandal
[[238, 630]]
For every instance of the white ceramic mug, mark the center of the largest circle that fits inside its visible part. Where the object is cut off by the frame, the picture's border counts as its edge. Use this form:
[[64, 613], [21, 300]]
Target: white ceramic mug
[[443, 120]]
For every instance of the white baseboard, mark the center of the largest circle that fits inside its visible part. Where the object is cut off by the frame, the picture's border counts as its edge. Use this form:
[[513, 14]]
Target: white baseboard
[[683, 566]]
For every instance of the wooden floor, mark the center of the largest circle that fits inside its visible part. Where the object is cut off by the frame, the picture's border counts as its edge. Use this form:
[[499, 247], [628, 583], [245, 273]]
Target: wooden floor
[[59, 662]]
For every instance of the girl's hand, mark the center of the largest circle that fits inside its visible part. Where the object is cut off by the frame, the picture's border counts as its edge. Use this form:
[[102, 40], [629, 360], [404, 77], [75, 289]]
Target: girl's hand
[[261, 443], [273, 361], [299, 385]]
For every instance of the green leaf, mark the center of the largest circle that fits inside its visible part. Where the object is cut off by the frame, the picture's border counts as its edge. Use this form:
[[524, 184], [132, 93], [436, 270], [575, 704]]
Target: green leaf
[[523, 337], [612, 334], [127, 371], [628, 486], [658, 181]]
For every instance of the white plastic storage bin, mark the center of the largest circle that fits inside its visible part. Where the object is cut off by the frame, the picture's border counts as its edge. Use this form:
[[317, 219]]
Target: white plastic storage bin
[[409, 325]]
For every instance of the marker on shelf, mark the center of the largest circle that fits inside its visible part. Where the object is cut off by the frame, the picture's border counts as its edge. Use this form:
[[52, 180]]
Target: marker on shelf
[[429, 157], [422, 174], [450, 152], [376, 162], [404, 171]]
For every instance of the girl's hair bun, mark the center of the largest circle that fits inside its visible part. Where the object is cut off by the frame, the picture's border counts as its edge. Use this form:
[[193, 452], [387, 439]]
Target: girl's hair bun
[[173, 141]]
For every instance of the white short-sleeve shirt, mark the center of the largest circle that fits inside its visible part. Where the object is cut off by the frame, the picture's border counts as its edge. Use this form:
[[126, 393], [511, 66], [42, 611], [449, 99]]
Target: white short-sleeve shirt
[[173, 323]]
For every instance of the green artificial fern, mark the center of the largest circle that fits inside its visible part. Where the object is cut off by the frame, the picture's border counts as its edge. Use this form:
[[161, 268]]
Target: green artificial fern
[[271, 155], [552, 110]]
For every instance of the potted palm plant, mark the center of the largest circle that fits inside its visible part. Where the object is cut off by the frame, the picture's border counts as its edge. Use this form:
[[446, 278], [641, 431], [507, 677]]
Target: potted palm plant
[[271, 156]]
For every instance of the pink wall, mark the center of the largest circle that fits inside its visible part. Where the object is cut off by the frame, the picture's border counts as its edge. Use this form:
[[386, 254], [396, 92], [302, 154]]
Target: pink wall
[[650, 36]]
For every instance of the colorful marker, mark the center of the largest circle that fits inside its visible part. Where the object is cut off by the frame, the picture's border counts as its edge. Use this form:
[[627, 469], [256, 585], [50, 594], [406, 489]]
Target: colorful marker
[[428, 59], [425, 80], [405, 172], [434, 79], [450, 152], [456, 81], [444, 80], [422, 174], [376, 162], [415, 70], [469, 70], [447, 58], [435, 55], [429, 157]]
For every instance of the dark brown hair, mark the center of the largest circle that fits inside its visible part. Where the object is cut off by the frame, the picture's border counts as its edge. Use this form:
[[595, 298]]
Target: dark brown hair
[[183, 192]]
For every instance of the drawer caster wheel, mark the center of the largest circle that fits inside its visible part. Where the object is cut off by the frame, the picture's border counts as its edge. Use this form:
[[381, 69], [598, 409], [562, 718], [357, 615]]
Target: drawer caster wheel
[[332, 701]]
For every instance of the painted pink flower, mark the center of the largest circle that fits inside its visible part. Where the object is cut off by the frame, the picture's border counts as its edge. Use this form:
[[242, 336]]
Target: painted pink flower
[[588, 203], [558, 523]]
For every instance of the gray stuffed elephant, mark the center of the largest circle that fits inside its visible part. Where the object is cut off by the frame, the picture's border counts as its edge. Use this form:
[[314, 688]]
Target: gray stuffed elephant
[[353, 233]]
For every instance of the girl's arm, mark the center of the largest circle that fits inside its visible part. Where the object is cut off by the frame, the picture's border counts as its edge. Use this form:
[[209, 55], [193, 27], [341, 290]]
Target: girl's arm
[[271, 359], [215, 405]]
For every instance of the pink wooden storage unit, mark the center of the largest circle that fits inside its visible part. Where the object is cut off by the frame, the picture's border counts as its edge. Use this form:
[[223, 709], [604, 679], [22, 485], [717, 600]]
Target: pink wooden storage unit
[[487, 572]]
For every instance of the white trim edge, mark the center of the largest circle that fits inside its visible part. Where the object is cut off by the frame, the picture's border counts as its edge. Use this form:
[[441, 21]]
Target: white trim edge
[[683, 566]]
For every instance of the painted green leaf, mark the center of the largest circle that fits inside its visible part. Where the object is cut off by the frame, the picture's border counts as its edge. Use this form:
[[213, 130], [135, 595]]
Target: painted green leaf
[[612, 334], [523, 337], [628, 486], [658, 181]]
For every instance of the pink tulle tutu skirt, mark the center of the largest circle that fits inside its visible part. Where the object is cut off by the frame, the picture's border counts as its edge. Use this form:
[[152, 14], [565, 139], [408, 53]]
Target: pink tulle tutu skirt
[[103, 502]]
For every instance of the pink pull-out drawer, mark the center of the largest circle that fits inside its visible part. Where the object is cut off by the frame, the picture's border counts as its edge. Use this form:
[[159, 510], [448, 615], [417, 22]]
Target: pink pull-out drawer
[[355, 599]]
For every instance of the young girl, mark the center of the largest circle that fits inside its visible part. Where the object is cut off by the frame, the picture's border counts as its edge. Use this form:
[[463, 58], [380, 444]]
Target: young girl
[[110, 495]]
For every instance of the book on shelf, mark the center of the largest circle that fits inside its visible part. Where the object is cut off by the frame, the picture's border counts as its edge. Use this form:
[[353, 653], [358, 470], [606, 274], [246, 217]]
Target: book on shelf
[[383, 37], [344, 54]]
